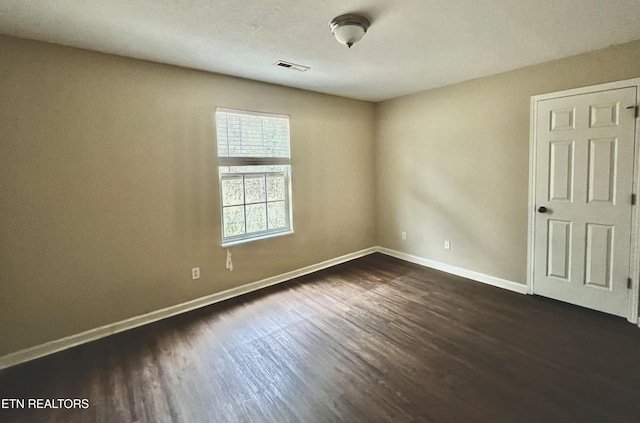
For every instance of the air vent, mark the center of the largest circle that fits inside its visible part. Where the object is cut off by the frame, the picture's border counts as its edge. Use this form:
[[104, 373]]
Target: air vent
[[292, 66]]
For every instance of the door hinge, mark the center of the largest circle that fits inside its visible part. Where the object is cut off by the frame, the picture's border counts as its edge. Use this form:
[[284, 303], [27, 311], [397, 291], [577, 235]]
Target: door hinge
[[633, 199], [629, 283], [636, 109]]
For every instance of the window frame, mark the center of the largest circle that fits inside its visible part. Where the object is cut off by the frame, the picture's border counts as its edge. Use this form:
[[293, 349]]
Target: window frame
[[230, 162]]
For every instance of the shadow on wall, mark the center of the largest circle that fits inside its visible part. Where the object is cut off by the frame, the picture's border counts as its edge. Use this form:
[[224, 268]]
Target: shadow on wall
[[449, 201]]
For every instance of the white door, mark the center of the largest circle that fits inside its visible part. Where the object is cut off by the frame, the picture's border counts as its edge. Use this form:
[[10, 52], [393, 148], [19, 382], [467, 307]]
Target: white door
[[584, 180]]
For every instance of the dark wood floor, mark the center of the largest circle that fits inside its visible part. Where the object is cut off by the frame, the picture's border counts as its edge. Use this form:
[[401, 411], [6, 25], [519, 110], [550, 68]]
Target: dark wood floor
[[373, 340]]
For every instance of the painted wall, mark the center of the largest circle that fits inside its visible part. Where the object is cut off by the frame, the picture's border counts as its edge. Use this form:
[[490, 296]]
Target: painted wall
[[452, 163], [109, 192], [109, 188]]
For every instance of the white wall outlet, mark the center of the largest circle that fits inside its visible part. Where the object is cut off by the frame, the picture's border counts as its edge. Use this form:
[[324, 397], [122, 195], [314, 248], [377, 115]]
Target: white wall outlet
[[195, 273], [404, 235], [447, 245]]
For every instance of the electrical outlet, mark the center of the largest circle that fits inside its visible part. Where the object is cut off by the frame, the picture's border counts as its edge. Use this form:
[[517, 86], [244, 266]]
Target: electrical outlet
[[447, 245], [404, 235], [195, 273]]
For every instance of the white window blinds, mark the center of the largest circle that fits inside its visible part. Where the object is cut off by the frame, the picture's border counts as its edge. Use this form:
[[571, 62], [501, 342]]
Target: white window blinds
[[252, 138]]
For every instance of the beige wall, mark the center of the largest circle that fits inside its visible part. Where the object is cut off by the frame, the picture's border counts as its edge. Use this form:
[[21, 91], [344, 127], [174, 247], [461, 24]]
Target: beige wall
[[109, 187], [109, 194], [452, 163]]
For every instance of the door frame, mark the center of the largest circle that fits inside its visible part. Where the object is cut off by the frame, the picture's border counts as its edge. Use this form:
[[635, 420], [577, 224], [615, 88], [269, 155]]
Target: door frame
[[634, 262]]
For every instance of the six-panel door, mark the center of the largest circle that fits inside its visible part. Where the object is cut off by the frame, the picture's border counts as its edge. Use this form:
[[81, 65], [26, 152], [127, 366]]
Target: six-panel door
[[584, 156]]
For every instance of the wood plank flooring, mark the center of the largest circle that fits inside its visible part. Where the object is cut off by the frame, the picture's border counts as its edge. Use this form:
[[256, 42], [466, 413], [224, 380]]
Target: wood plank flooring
[[372, 340]]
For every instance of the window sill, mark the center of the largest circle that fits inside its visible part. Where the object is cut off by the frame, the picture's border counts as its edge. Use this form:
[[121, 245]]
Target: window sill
[[231, 243]]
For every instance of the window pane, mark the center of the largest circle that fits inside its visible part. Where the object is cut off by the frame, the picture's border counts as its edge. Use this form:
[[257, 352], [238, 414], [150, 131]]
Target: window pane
[[277, 215], [254, 189], [256, 218], [233, 218], [275, 187], [232, 191]]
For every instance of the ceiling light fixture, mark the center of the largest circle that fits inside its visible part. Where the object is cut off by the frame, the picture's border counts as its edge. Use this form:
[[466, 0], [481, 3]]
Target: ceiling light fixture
[[349, 29]]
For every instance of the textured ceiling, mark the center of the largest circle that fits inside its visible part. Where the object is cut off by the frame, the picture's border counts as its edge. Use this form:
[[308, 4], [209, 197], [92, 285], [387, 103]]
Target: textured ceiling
[[412, 45]]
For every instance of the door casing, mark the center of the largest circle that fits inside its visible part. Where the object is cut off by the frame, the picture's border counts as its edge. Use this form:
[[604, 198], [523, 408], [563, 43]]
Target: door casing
[[634, 271]]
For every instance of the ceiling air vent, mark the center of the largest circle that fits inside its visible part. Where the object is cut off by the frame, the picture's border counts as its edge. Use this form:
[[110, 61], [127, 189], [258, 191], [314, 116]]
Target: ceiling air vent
[[292, 66]]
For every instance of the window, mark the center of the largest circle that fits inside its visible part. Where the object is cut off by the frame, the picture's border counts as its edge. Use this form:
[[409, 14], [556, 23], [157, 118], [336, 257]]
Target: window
[[255, 175]]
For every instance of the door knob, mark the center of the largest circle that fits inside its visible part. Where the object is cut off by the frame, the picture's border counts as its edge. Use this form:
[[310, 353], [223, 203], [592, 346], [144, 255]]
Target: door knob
[[542, 209]]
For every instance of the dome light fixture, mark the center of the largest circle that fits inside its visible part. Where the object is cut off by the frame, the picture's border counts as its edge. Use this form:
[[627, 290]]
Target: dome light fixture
[[349, 29]]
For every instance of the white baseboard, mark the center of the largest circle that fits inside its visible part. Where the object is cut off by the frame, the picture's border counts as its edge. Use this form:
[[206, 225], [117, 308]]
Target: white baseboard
[[91, 335], [469, 274]]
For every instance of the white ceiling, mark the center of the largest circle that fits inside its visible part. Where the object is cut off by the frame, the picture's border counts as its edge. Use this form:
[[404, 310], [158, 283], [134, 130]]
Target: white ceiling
[[412, 45]]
